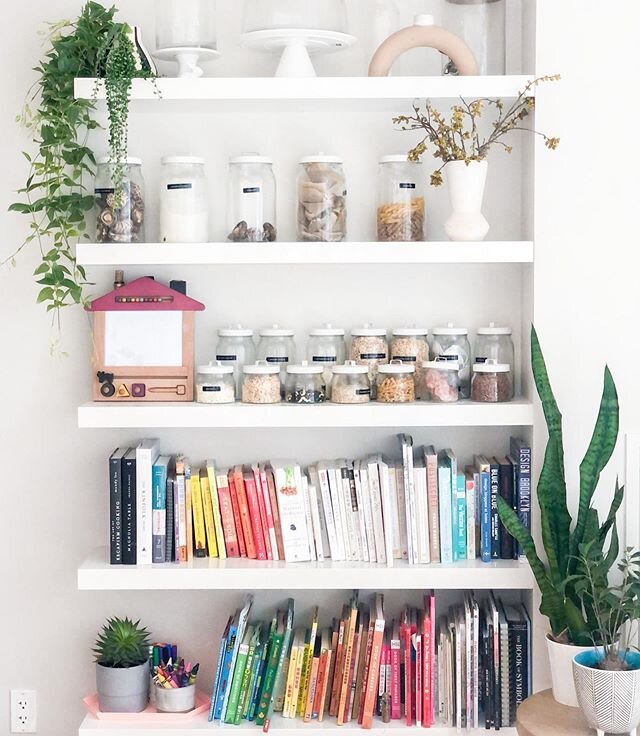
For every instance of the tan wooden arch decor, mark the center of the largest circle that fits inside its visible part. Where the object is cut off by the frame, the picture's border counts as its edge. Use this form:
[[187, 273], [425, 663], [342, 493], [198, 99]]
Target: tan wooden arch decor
[[423, 34]]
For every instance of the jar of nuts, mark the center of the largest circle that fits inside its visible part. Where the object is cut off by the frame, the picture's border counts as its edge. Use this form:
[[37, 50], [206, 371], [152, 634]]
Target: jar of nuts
[[305, 384], [452, 343], [261, 383], [322, 199], [438, 381], [120, 216], [350, 384], [401, 208], [410, 345], [396, 383], [492, 382], [369, 347]]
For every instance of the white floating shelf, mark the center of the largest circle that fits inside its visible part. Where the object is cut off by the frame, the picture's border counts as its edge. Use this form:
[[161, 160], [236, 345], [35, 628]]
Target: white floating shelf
[[233, 254], [279, 727], [355, 91], [95, 415], [241, 574]]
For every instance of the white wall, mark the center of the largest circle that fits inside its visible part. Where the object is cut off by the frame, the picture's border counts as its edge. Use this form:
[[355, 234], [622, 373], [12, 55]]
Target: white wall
[[53, 496]]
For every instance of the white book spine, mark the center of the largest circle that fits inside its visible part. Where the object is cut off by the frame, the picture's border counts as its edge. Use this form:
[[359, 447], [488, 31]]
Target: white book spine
[[385, 502], [375, 485], [352, 537], [396, 537], [146, 455], [446, 519], [402, 512], [335, 544], [362, 536], [315, 520], [335, 485], [363, 474], [291, 505], [412, 512], [304, 484]]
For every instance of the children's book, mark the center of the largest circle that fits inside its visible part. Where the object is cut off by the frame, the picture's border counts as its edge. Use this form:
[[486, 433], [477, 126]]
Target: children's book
[[147, 452], [197, 505], [209, 524], [291, 507], [240, 665], [215, 506]]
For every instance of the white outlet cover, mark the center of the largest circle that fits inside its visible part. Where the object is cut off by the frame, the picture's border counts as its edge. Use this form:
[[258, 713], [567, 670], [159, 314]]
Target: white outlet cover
[[23, 711]]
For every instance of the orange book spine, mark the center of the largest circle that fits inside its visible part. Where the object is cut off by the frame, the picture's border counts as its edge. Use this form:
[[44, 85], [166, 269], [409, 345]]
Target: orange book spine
[[316, 708], [226, 514], [245, 516], [345, 685], [363, 691], [264, 514], [254, 513], [236, 515], [337, 673], [373, 679], [313, 685]]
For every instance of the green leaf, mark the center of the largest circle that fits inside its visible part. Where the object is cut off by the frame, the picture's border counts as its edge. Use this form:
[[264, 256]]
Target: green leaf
[[44, 295]]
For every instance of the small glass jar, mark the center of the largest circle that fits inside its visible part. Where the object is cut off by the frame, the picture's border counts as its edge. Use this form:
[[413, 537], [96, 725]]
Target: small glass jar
[[184, 200], [401, 204], [492, 382], [481, 24], [327, 347], [251, 206], [236, 348], [276, 346], [438, 381], [396, 383], [350, 384], [261, 384], [305, 384], [452, 343], [494, 343], [322, 200], [119, 221], [369, 347], [215, 384], [410, 345]]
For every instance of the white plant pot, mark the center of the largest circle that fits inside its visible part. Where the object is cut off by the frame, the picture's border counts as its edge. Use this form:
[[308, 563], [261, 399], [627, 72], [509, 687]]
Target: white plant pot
[[123, 690], [466, 190], [561, 664], [610, 701]]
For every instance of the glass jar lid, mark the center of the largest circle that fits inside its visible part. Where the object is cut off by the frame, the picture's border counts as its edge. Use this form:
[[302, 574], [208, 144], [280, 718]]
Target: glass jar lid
[[398, 158], [191, 160], [131, 161], [327, 330], [350, 368], [410, 332], [368, 330], [397, 367], [491, 366], [235, 331], [450, 330], [305, 369], [215, 368], [442, 365], [492, 329], [321, 158], [276, 331], [261, 368], [251, 158]]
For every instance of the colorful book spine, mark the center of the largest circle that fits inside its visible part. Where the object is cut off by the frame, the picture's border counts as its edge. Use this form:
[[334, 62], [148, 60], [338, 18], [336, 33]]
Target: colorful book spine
[[245, 515], [219, 669], [115, 506], [227, 516], [264, 507], [485, 508], [471, 515], [170, 554], [460, 519], [253, 506], [237, 679], [181, 517], [199, 528], [507, 491], [215, 505], [226, 673], [495, 519], [373, 675], [209, 524], [395, 653], [188, 510], [146, 454], [237, 521], [521, 452], [159, 501]]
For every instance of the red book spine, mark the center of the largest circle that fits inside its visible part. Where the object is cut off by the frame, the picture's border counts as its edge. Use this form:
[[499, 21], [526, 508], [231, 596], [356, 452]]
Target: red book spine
[[405, 635], [275, 511], [228, 524], [236, 515], [366, 669], [396, 707], [245, 517], [254, 513], [418, 679], [426, 669], [264, 524], [432, 627], [374, 674]]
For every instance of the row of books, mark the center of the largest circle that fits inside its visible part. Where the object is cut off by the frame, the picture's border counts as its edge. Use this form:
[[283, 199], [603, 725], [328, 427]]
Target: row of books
[[469, 667], [422, 508]]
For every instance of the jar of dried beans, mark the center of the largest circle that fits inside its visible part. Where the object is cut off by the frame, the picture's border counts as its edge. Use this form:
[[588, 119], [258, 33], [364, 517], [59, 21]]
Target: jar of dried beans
[[369, 347], [120, 214], [438, 381], [305, 384], [261, 384], [396, 383], [452, 343], [492, 382], [322, 199], [350, 384], [401, 206]]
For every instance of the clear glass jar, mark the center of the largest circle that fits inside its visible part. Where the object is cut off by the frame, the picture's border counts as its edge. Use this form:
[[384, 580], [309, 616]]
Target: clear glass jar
[[327, 347], [350, 384], [494, 343], [492, 382], [395, 383], [482, 25], [369, 347], [260, 15], [410, 345], [305, 384], [261, 384], [401, 204], [452, 343], [185, 24], [215, 384], [276, 346], [236, 348], [184, 200], [119, 221], [322, 200], [251, 205], [438, 381]]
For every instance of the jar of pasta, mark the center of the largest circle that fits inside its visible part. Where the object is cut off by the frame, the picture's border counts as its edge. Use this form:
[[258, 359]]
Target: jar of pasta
[[401, 208], [396, 383]]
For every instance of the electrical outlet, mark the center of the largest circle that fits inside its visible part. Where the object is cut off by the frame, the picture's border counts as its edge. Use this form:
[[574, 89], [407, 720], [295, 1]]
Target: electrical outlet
[[23, 711]]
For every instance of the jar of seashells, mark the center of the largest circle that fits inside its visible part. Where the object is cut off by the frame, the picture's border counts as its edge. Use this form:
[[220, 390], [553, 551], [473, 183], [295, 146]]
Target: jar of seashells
[[119, 215], [322, 199]]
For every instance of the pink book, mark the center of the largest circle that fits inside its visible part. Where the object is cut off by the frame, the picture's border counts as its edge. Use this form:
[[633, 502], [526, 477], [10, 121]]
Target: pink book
[[431, 463], [263, 511], [395, 655], [254, 516], [226, 512], [426, 663], [236, 514], [417, 645], [432, 622], [273, 522]]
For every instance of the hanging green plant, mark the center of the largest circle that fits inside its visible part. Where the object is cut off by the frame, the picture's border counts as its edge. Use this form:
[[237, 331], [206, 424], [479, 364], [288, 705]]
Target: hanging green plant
[[55, 196]]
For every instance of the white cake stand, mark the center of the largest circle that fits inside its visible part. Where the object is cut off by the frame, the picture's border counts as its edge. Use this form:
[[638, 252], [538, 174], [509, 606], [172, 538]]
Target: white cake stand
[[296, 45], [188, 59]]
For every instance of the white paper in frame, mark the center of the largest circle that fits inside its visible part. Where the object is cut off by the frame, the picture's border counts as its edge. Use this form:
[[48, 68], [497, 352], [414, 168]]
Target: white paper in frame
[[143, 339]]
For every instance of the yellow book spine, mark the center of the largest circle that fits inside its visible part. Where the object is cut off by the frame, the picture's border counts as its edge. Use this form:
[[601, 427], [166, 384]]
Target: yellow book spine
[[215, 505], [195, 518], [286, 710], [297, 681], [212, 545], [302, 693]]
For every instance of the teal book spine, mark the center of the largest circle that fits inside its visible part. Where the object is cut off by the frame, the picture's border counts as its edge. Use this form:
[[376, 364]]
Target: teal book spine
[[159, 511], [460, 520]]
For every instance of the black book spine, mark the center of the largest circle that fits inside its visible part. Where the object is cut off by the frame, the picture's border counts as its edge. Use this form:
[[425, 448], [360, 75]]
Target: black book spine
[[524, 489], [506, 491], [169, 549], [115, 508], [488, 679], [129, 532], [495, 520], [519, 657]]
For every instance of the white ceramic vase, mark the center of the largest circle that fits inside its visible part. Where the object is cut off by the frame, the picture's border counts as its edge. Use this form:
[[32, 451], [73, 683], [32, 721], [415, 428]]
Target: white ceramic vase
[[561, 665], [610, 701], [466, 184]]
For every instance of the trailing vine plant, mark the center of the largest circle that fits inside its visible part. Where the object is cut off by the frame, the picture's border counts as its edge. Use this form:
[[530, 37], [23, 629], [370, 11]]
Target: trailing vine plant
[[55, 196]]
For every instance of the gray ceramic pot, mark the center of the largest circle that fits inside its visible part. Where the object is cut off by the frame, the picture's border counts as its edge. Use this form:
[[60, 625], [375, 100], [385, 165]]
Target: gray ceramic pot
[[123, 690]]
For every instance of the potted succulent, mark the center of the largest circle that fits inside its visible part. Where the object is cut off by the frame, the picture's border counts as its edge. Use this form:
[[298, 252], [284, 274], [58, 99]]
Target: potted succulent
[[607, 678], [463, 150], [122, 666], [572, 618]]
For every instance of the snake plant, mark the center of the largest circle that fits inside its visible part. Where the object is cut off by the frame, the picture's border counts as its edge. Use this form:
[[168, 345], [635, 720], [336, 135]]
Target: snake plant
[[572, 620]]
